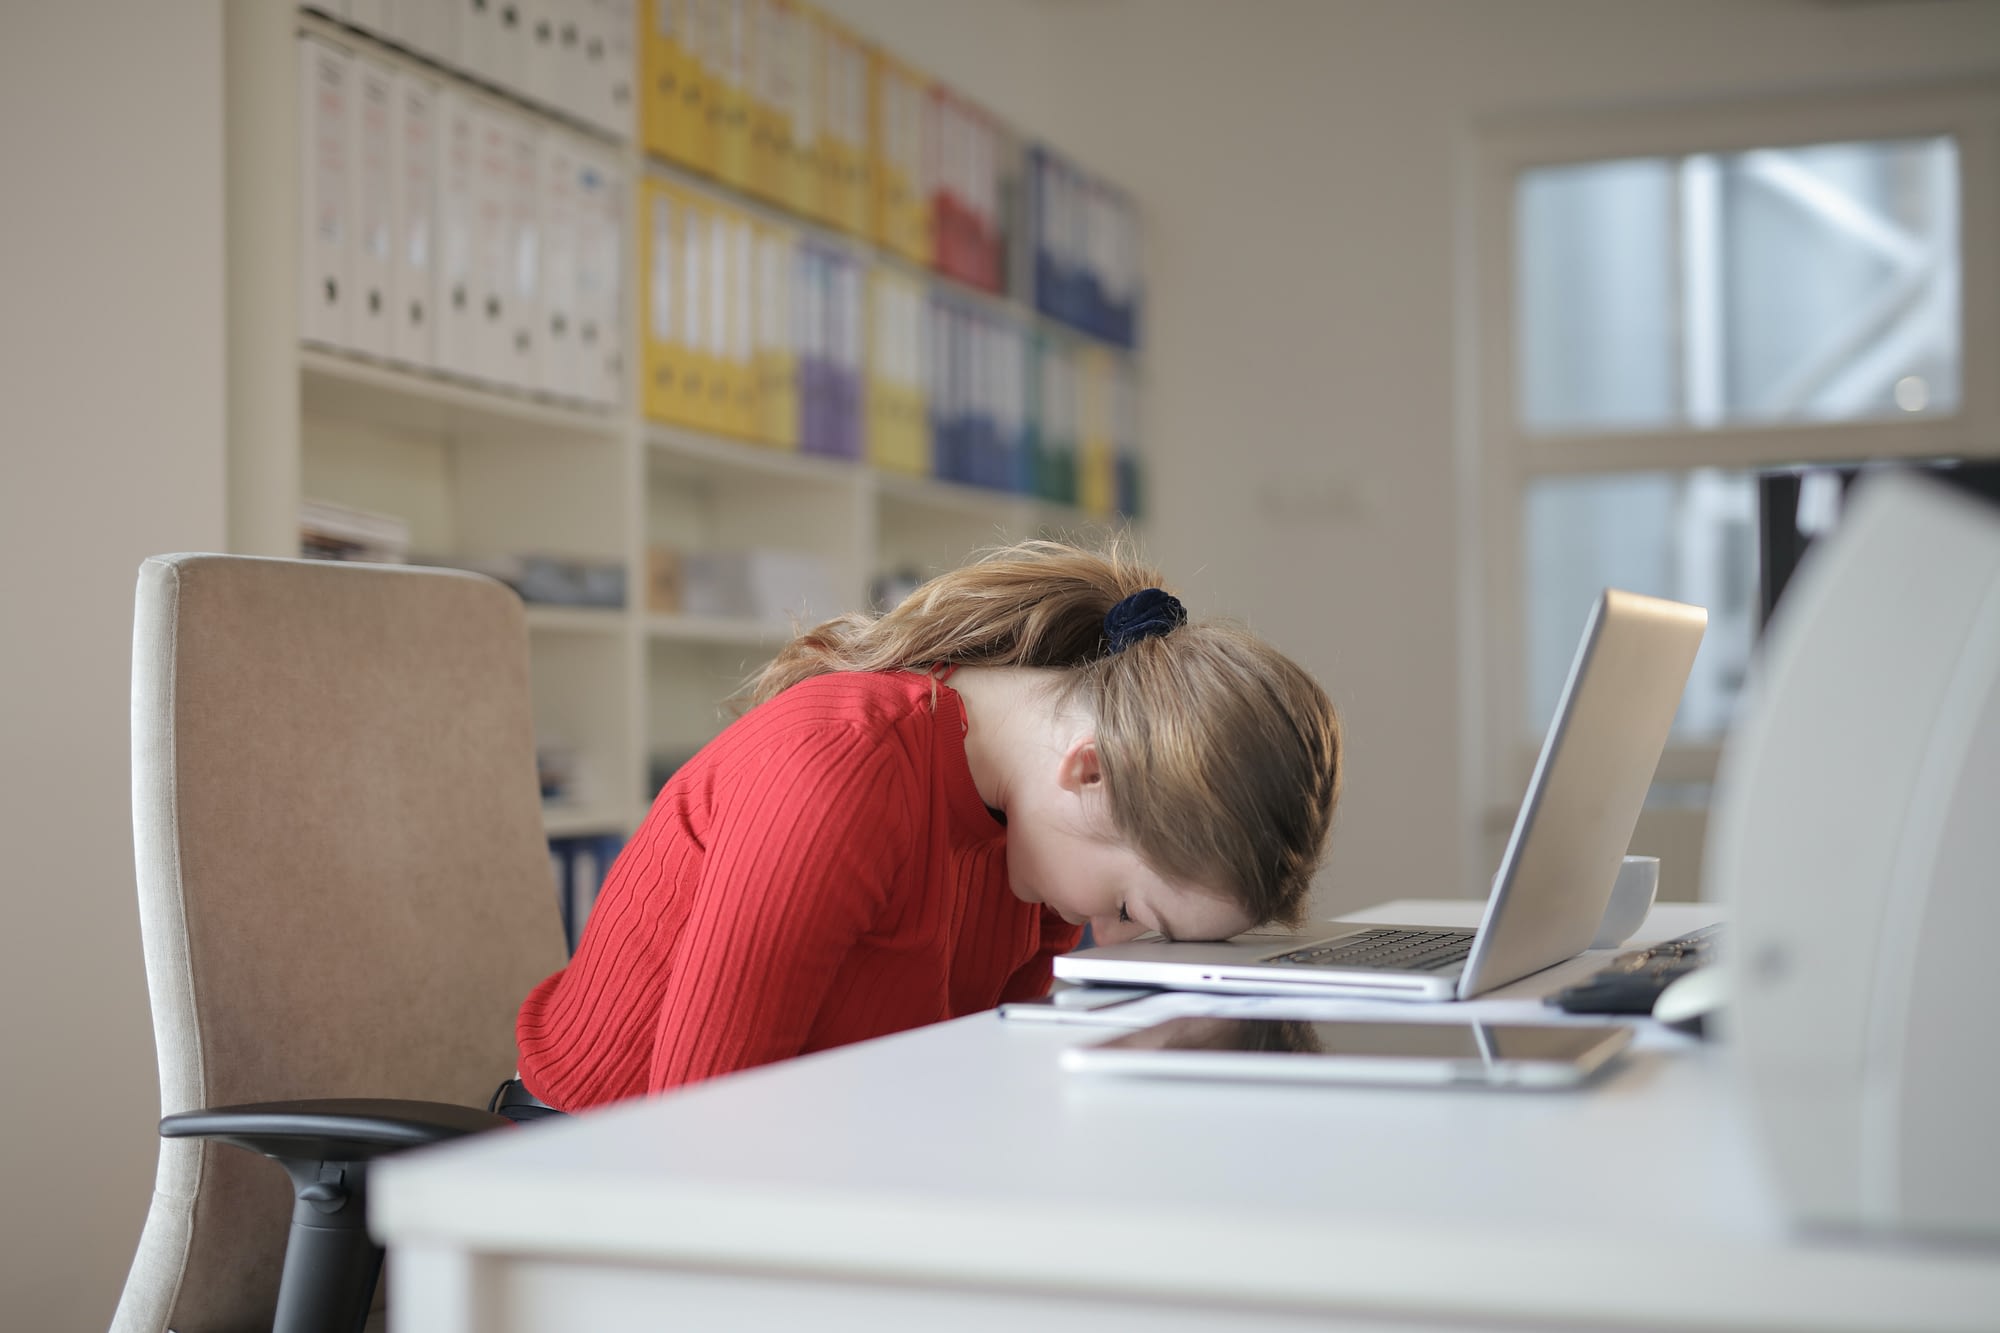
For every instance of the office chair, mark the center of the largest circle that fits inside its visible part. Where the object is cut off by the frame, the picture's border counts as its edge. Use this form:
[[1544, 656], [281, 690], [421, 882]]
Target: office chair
[[344, 894]]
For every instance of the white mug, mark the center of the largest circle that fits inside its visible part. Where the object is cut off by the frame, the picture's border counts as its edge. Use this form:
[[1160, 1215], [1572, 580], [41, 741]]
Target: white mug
[[1632, 895]]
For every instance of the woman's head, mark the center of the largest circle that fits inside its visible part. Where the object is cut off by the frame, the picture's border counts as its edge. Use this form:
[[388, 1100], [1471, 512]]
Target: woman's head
[[1219, 757]]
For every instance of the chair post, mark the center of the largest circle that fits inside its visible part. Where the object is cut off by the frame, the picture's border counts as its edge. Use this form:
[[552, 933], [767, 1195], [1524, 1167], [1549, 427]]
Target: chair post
[[331, 1262]]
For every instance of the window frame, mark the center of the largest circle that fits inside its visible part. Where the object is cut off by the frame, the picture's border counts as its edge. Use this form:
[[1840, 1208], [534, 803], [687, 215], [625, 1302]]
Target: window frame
[[1499, 458]]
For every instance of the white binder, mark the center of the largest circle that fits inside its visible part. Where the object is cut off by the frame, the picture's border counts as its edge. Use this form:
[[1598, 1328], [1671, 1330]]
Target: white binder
[[849, 353], [371, 184], [559, 363], [325, 87], [615, 207], [414, 265], [521, 368], [601, 189], [1013, 407], [492, 212], [456, 286], [611, 99]]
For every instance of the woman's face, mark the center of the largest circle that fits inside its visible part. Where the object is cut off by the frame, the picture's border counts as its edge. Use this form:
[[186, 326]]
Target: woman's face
[[1064, 850], [1090, 877]]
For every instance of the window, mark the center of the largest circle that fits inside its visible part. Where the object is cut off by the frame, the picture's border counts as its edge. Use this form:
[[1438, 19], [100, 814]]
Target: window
[[1691, 536], [1664, 305], [1816, 283]]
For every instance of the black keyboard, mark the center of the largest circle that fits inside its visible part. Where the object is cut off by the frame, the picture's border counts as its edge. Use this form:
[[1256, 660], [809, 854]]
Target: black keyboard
[[1629, 983], [1395, 950]]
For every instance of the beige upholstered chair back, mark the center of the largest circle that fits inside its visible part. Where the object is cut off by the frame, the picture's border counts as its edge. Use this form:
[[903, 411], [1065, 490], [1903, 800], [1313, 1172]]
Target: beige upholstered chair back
[[344, 887]]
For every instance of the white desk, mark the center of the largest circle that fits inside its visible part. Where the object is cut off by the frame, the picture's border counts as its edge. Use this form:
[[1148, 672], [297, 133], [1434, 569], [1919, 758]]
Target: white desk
[[954, 1177]]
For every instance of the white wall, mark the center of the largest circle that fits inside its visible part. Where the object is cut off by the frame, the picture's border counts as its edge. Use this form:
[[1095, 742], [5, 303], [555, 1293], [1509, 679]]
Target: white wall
[[1295, 157], [1296, 162], [111, 448]]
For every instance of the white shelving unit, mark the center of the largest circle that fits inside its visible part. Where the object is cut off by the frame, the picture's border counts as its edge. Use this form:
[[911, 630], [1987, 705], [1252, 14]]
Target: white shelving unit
[[334, 386], [478, 470]]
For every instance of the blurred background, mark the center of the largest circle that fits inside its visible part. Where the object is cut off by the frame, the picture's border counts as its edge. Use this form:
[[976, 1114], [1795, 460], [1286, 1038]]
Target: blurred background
[[1394, 328]]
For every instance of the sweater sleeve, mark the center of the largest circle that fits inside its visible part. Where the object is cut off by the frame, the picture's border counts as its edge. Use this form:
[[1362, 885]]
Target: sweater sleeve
[[800, 856]]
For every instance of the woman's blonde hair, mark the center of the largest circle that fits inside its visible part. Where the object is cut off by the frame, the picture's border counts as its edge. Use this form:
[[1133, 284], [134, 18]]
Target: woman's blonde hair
[[1221, 757]]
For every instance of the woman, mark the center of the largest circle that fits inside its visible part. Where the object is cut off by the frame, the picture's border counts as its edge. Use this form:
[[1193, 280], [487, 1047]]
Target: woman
[[921, 809]]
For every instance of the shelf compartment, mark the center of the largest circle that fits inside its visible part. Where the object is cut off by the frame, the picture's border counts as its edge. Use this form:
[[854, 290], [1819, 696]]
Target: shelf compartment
[[706, 495], [337, 387], [678, 451], [474, 498]]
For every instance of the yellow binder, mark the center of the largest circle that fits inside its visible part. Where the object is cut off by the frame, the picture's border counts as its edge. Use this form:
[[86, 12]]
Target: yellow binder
[[702, 31], [895, 134], [767, 114], [897, 423], [807, 71], [843, 120], [777, 363], [729, 94], [881, 99], [857, 215]]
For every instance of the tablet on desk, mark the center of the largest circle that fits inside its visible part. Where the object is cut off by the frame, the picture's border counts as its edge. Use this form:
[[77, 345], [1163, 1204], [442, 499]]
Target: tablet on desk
[[1409, 1053]]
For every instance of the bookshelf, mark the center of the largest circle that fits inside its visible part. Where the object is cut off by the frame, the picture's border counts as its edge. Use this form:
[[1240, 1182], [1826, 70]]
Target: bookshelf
[[478, 470], [337, 387]]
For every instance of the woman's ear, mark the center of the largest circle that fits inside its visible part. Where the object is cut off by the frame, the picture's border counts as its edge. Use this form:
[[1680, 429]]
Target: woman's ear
[[1080, 770]]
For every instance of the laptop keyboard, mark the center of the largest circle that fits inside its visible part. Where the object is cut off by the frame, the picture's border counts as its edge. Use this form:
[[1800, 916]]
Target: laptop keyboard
[[1394, 950]]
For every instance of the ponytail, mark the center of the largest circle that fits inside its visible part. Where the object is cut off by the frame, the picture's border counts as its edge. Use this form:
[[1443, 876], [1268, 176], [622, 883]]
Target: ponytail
[[1035, 604]]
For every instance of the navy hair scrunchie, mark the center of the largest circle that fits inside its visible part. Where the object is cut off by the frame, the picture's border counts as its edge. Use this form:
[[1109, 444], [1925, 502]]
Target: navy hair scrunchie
[[1145, 613]]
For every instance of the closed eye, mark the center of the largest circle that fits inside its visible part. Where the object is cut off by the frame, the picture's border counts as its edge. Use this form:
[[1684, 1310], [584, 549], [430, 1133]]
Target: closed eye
[[1125, 919]]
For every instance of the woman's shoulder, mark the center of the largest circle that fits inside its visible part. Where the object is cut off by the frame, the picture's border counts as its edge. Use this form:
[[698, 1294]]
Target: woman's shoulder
[[868, 703], [873, 713], [886, 695]]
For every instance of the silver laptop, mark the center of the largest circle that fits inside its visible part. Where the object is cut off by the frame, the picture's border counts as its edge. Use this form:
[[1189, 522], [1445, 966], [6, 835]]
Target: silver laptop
[[1555, 877]]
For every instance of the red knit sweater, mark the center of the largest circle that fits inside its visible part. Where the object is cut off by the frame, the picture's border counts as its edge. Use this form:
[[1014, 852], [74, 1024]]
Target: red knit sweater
[[822, 872]]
